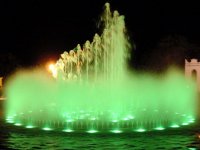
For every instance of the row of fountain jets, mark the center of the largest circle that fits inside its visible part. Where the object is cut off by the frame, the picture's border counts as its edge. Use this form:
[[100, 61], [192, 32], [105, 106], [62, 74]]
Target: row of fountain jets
[[104, 57]]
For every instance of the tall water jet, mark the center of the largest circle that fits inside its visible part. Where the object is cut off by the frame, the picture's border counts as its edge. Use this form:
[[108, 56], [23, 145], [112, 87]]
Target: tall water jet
[[92, 90], [104, 57]]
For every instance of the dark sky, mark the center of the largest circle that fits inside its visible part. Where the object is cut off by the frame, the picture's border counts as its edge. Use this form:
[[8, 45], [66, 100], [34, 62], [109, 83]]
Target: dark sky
[[36, 30]]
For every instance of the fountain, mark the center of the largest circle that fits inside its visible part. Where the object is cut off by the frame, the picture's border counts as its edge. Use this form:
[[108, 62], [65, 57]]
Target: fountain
[[91, 90]]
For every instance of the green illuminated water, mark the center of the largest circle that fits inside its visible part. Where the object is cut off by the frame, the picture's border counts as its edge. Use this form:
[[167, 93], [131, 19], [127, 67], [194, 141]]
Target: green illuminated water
[[138, 103], [94, 92]]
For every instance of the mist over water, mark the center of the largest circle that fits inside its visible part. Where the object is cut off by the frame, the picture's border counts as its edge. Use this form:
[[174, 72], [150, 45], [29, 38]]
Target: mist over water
[[91, 89], [139, 100]]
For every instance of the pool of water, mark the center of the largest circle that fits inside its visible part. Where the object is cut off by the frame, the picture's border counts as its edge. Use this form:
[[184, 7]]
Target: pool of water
[[13, 137]]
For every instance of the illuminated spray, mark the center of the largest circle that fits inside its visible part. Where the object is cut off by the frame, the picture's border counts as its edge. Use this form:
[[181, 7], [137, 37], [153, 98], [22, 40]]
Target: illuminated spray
[[92, 91]]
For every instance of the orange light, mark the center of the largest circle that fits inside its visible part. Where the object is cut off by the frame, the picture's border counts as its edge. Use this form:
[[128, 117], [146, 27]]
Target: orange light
[[51, 68]]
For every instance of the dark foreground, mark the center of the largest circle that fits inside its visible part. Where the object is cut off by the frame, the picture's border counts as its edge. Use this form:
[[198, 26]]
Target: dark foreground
[[12, 137]]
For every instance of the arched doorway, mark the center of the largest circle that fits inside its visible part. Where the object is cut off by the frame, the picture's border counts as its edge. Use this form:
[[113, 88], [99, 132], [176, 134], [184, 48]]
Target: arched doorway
[[192, 70], [194, 75]]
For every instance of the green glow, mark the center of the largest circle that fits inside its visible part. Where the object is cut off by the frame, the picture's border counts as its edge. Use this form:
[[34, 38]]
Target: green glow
[[18, 124], [175, 126], [29, 126], [191, 121], [69, 120], [92, 131], [102, 109], [114, 120], [160, 128], [93, 118], [47, 129], [131, 117], [92, 88], [140, 130], [116, 131], [68, 130], [10, 121], [125, 119], [185, 123], [9, 118]]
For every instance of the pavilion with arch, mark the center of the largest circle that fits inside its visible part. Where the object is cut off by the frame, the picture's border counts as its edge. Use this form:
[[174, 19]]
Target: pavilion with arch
[[192, 70]]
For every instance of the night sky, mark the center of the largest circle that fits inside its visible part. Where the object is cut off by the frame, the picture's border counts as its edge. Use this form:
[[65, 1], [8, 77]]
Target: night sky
[[35, 31]]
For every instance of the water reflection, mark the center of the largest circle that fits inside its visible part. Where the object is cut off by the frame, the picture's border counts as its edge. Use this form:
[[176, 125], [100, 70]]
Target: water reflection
[[20, 138]]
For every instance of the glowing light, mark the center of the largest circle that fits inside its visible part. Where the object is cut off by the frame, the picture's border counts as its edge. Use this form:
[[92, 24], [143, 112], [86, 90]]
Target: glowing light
[[93, 118], [18, 124], [92, 131], [47, 129], [185, 123], [10, 121], [125, 119], [191, 121], [116, 131], [68, 130], [70, 120], [198, 136], [140, 130], [131, 117], [9, 117], [174, 126], [159, 128], [53, 70], [29, 126], [114, 120]]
